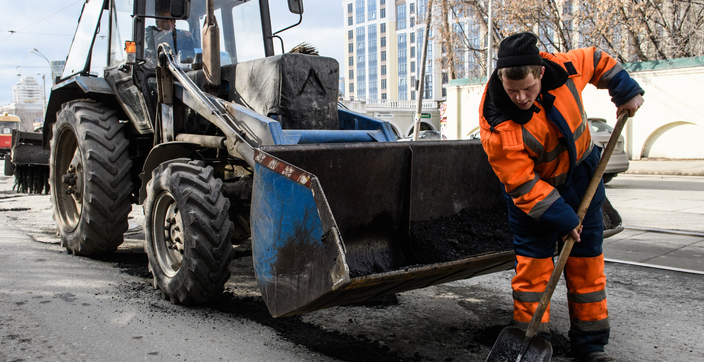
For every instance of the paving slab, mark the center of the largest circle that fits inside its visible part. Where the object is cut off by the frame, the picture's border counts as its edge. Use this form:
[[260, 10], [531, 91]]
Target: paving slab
[[671, 250], [695, 210], [690, 257]]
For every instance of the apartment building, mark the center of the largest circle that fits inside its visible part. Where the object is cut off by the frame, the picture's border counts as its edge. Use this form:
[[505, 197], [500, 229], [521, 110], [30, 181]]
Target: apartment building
[[384, 43], [27, 90]]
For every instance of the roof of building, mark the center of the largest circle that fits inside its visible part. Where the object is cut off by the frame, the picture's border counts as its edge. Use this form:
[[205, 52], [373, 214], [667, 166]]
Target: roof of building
[[467, 81], [664, 64]]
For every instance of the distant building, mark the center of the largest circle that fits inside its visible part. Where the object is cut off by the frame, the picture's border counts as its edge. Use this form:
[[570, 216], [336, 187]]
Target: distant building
[[28, 91], [57, 68], [28, 103]]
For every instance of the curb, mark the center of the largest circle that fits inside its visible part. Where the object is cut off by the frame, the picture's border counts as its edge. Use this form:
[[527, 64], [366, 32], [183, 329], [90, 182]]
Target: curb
[[666, 172]]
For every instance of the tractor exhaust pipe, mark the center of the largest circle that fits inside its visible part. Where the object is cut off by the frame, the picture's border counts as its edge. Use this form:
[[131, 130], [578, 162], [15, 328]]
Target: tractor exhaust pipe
[[211, 50]]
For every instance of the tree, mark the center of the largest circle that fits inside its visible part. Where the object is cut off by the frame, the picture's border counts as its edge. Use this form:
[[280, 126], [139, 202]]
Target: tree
[[629, 30]]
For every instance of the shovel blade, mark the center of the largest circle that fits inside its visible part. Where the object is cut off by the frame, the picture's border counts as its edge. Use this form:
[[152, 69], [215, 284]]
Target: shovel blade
[[510, 342]]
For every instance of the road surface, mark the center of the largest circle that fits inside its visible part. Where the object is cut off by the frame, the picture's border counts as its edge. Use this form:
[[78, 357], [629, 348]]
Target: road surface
[[59, 307]]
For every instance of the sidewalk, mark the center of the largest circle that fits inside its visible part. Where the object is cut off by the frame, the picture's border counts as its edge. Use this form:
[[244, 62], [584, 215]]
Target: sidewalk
[[670, 250], [667, 167], [667, 250]]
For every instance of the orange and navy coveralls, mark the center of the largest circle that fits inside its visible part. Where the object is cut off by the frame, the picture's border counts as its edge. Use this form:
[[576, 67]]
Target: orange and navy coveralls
[[544, 157]]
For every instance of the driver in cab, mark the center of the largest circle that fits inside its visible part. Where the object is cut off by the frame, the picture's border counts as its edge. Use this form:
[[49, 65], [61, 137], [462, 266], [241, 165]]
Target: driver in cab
[[181, 41]]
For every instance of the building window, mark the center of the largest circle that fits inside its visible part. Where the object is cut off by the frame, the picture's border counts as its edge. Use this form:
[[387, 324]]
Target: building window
[[383, 95], [382, 2], [383, 55], [349, 7], [371, 8], [413, 52], [360, 11], [383, 84], [413, 83], [382, 13], [401, 17], [350, 34], [413, 8], [351, 61], [349, 20], [361, 60], [351, 87], [350, 47], [413, 67], [372, 58], [383, 41], [413, 95], [382, 27], [402, 71], [422, 4], [413, 37], [351, 74], [383, 70], [413, 22]]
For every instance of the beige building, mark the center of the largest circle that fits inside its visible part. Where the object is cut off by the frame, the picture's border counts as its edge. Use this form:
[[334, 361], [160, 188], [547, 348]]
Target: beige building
[[669, 125]]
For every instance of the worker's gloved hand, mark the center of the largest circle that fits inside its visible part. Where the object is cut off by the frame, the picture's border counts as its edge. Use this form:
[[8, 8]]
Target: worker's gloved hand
[[575, 234], [631, 106]]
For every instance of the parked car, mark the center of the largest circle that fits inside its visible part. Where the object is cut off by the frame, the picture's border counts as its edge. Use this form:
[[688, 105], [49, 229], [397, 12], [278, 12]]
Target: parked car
[[600, 136], [429, 135]]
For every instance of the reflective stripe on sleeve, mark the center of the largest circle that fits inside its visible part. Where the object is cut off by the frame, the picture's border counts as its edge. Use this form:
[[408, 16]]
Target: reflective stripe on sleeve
[[525, 188], [603, 83], [597, 58], [537, 211]]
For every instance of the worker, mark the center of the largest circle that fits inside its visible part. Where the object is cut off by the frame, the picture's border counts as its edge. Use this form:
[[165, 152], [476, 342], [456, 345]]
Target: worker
[[181, 41], [534, 130]]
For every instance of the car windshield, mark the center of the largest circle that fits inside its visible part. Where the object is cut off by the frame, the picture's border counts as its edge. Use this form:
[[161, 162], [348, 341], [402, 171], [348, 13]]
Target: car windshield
[[599, 126]]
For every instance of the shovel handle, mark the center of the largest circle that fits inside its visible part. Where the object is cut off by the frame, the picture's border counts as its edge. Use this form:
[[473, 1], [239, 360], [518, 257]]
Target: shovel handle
[[583, 207]]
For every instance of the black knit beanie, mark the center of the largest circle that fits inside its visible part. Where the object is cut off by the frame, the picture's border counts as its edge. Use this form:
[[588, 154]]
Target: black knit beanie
[[519, 49]]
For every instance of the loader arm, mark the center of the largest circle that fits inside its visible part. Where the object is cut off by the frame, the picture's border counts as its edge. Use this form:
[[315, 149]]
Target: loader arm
[[205, 105]]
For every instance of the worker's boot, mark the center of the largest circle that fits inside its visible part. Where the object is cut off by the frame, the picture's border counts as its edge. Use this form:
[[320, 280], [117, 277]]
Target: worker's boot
[[597, 356]]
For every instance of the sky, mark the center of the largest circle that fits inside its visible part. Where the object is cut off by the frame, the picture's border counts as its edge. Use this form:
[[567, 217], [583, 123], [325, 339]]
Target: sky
[[49, 25]]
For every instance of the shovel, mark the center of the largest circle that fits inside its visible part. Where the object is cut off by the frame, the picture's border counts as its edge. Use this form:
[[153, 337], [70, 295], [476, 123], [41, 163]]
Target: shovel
[[513, 343]]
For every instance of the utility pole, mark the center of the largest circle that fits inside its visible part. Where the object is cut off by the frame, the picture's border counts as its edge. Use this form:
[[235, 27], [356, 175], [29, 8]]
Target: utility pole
[[37, 52], [43, 91], [489, 58], [419, 104]]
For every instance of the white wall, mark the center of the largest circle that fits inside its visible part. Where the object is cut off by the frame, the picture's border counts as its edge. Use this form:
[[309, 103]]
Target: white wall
[[463, 110], [671, 122], [669, 125]]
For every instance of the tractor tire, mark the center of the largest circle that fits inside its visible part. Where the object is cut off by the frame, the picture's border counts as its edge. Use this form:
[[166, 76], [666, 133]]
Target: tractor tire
[[89, 178], [188, 232]]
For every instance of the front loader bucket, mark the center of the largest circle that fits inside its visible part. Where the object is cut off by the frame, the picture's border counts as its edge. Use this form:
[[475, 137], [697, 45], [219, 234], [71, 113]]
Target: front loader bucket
[[334, 224]]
